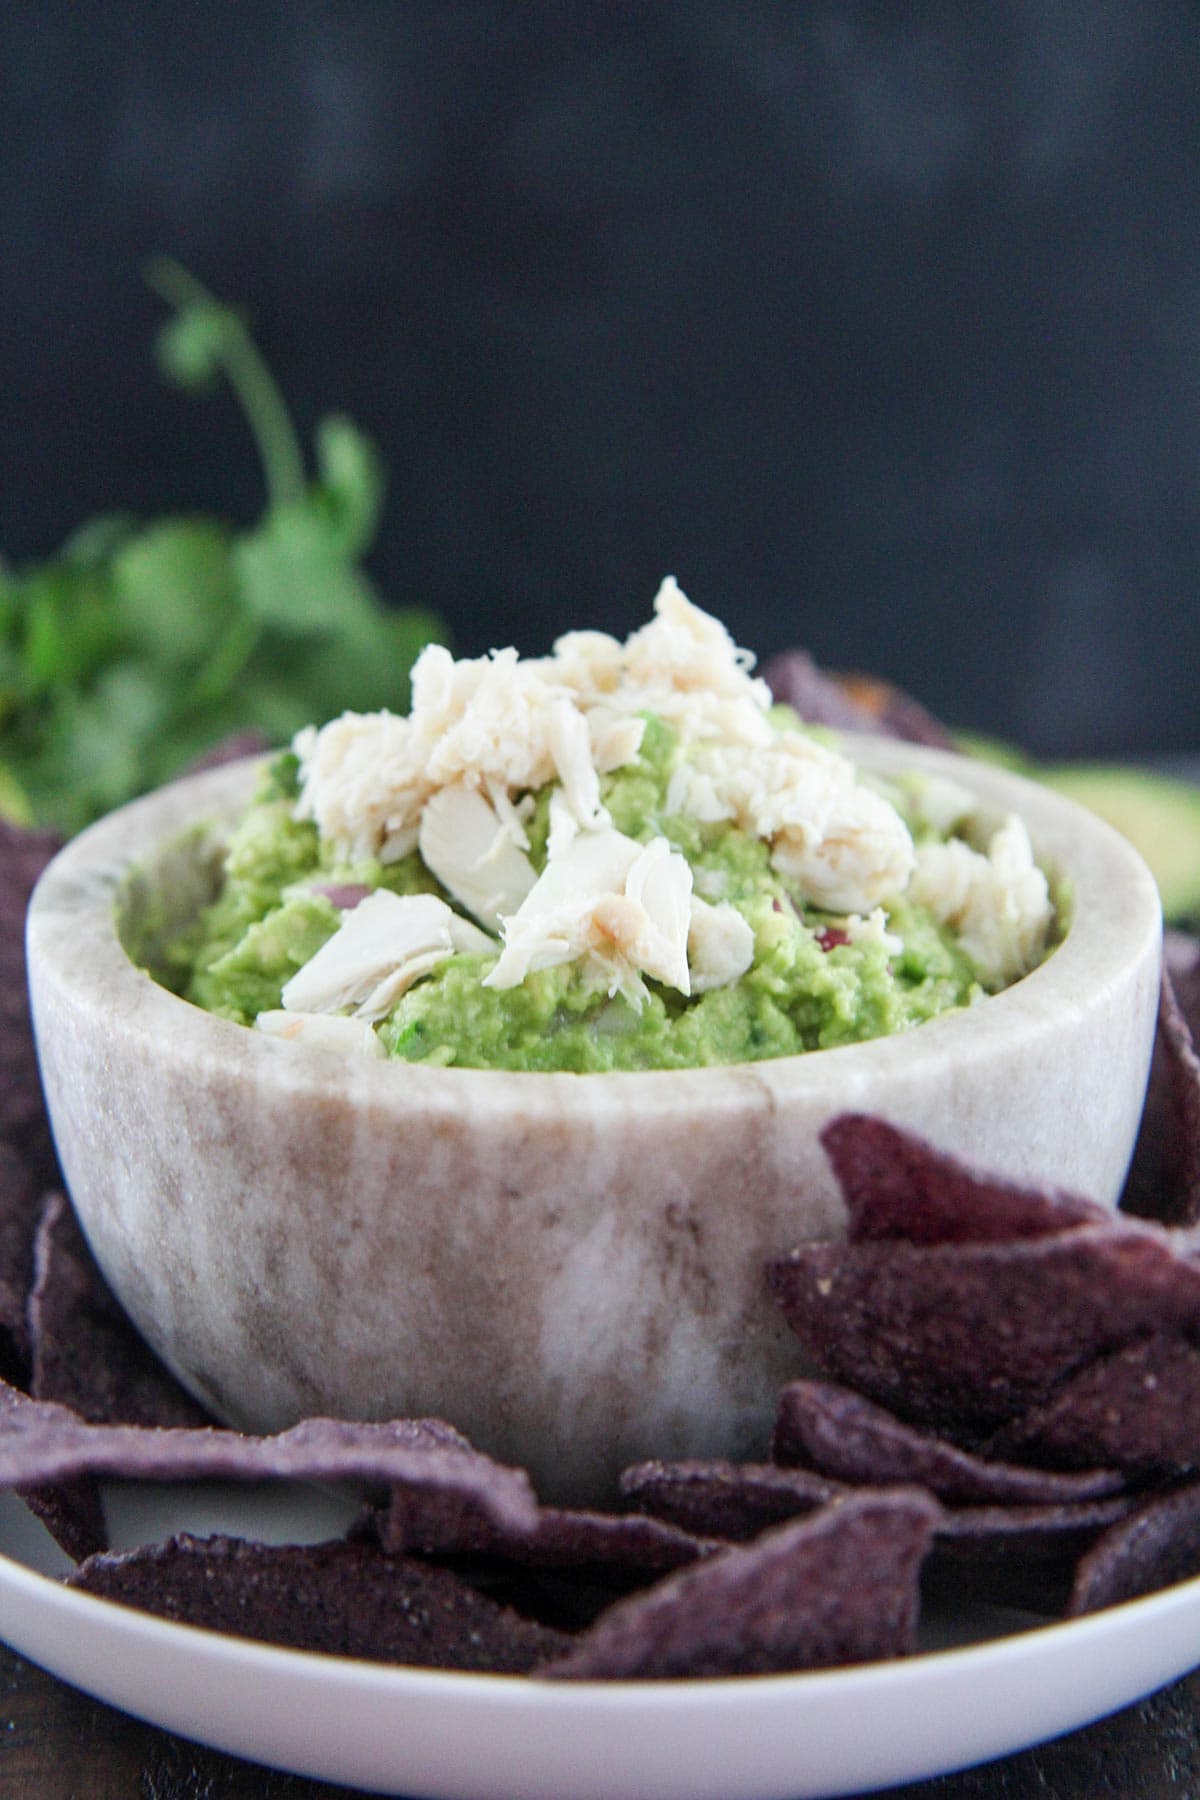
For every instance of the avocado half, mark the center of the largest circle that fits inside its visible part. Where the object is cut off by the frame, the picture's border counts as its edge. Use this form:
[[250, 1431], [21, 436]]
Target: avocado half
[[1160, 816]]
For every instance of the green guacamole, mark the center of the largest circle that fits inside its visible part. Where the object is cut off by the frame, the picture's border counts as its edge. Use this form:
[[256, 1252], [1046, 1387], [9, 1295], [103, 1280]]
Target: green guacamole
[[807, 988]]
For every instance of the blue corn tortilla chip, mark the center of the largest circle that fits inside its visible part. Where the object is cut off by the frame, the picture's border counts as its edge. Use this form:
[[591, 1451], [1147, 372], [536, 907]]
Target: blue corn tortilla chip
[[897, 1185], [797, 681], [73, 1513], [340, 1598], [840, 1586], [1164, 1177], [426, 1460], [1156, 1545], [1138, 1407], [19, 1207], [895, 713], [837, 1432], [85, 1352], [23, 856], [1022, 1556], [70, 1510], [1181, 958], [967, 1336], [851, 702], [716, 1499], [554, 1538], [231, 749], [563, 1569]]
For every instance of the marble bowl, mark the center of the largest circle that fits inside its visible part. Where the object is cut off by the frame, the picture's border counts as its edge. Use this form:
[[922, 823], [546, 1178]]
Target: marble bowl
[[568, 1267]]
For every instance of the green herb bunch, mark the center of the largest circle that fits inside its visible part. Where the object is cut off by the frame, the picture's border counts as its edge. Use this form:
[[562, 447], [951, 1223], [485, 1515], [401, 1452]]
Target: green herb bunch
[[141, 644]]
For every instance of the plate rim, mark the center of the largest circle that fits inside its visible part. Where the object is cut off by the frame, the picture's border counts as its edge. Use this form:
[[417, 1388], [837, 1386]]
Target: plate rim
[[737, 1705]]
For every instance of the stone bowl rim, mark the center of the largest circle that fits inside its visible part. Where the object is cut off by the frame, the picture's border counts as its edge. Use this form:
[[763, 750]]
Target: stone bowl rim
[[72, 933]]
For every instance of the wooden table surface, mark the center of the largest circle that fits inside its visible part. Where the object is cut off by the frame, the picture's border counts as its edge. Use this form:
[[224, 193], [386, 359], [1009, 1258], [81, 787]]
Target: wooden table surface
[[56, 1744]]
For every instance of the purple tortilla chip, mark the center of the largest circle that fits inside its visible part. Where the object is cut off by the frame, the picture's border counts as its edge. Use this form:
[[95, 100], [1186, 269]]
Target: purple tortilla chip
[[19, 1206], [841, 1586], [726, 1500], [968, 1336], [343, 1599], [1018, 1555], [795, 680], [72, 1513], [842, 1435], [1138, 1408], [70, 1510], [23, 856], [556, 1538], [426, 1460], [1164, 1176], [897, 714], [622, 1542], [1157, 1545], [86, 1354], [564, 1569], [852, 702], [896, 1185], [1181, 957], [231, 749]]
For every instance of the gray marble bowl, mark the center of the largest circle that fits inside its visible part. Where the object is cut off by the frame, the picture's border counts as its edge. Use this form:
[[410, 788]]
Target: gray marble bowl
[[568, 1267]]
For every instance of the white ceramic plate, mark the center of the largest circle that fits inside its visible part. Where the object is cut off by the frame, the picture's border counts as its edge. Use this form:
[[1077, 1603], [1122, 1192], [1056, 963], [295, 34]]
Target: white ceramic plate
[[473, 1737]]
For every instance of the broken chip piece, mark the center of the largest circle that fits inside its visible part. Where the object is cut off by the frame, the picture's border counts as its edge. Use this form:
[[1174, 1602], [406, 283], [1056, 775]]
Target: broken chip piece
[[344, 1598], [840, 1586]]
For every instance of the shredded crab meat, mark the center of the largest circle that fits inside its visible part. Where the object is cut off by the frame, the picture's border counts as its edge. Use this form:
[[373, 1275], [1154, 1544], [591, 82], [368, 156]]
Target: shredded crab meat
[[998, 903], [378, 951], [508, 726], [469, 847], [620, 907], [457, 778]]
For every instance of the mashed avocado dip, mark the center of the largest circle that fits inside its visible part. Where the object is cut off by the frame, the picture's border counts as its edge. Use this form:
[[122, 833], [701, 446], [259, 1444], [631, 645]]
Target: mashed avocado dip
[[617, 857]]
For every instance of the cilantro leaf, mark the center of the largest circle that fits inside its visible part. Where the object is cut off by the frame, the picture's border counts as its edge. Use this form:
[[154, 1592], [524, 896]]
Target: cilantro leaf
[[135, 648]]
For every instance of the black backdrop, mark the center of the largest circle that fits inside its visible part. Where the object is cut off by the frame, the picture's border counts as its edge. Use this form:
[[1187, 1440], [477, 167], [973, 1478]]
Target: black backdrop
[[878, 325]]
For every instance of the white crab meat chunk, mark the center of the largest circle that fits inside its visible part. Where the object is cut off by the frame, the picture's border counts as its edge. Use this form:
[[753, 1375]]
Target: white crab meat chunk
[[841, 843], [321, 1031], [472, 850], [620, 906], [998, 903], [362, 784], [862, 854], [720, 945], [385, 944]]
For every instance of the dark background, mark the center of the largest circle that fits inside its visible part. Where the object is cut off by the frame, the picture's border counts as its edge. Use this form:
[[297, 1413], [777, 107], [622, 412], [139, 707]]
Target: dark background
[[878, 325]]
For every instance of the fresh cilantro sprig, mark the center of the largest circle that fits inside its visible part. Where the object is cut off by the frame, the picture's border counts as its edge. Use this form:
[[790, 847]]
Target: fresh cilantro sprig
[[141, 644]]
